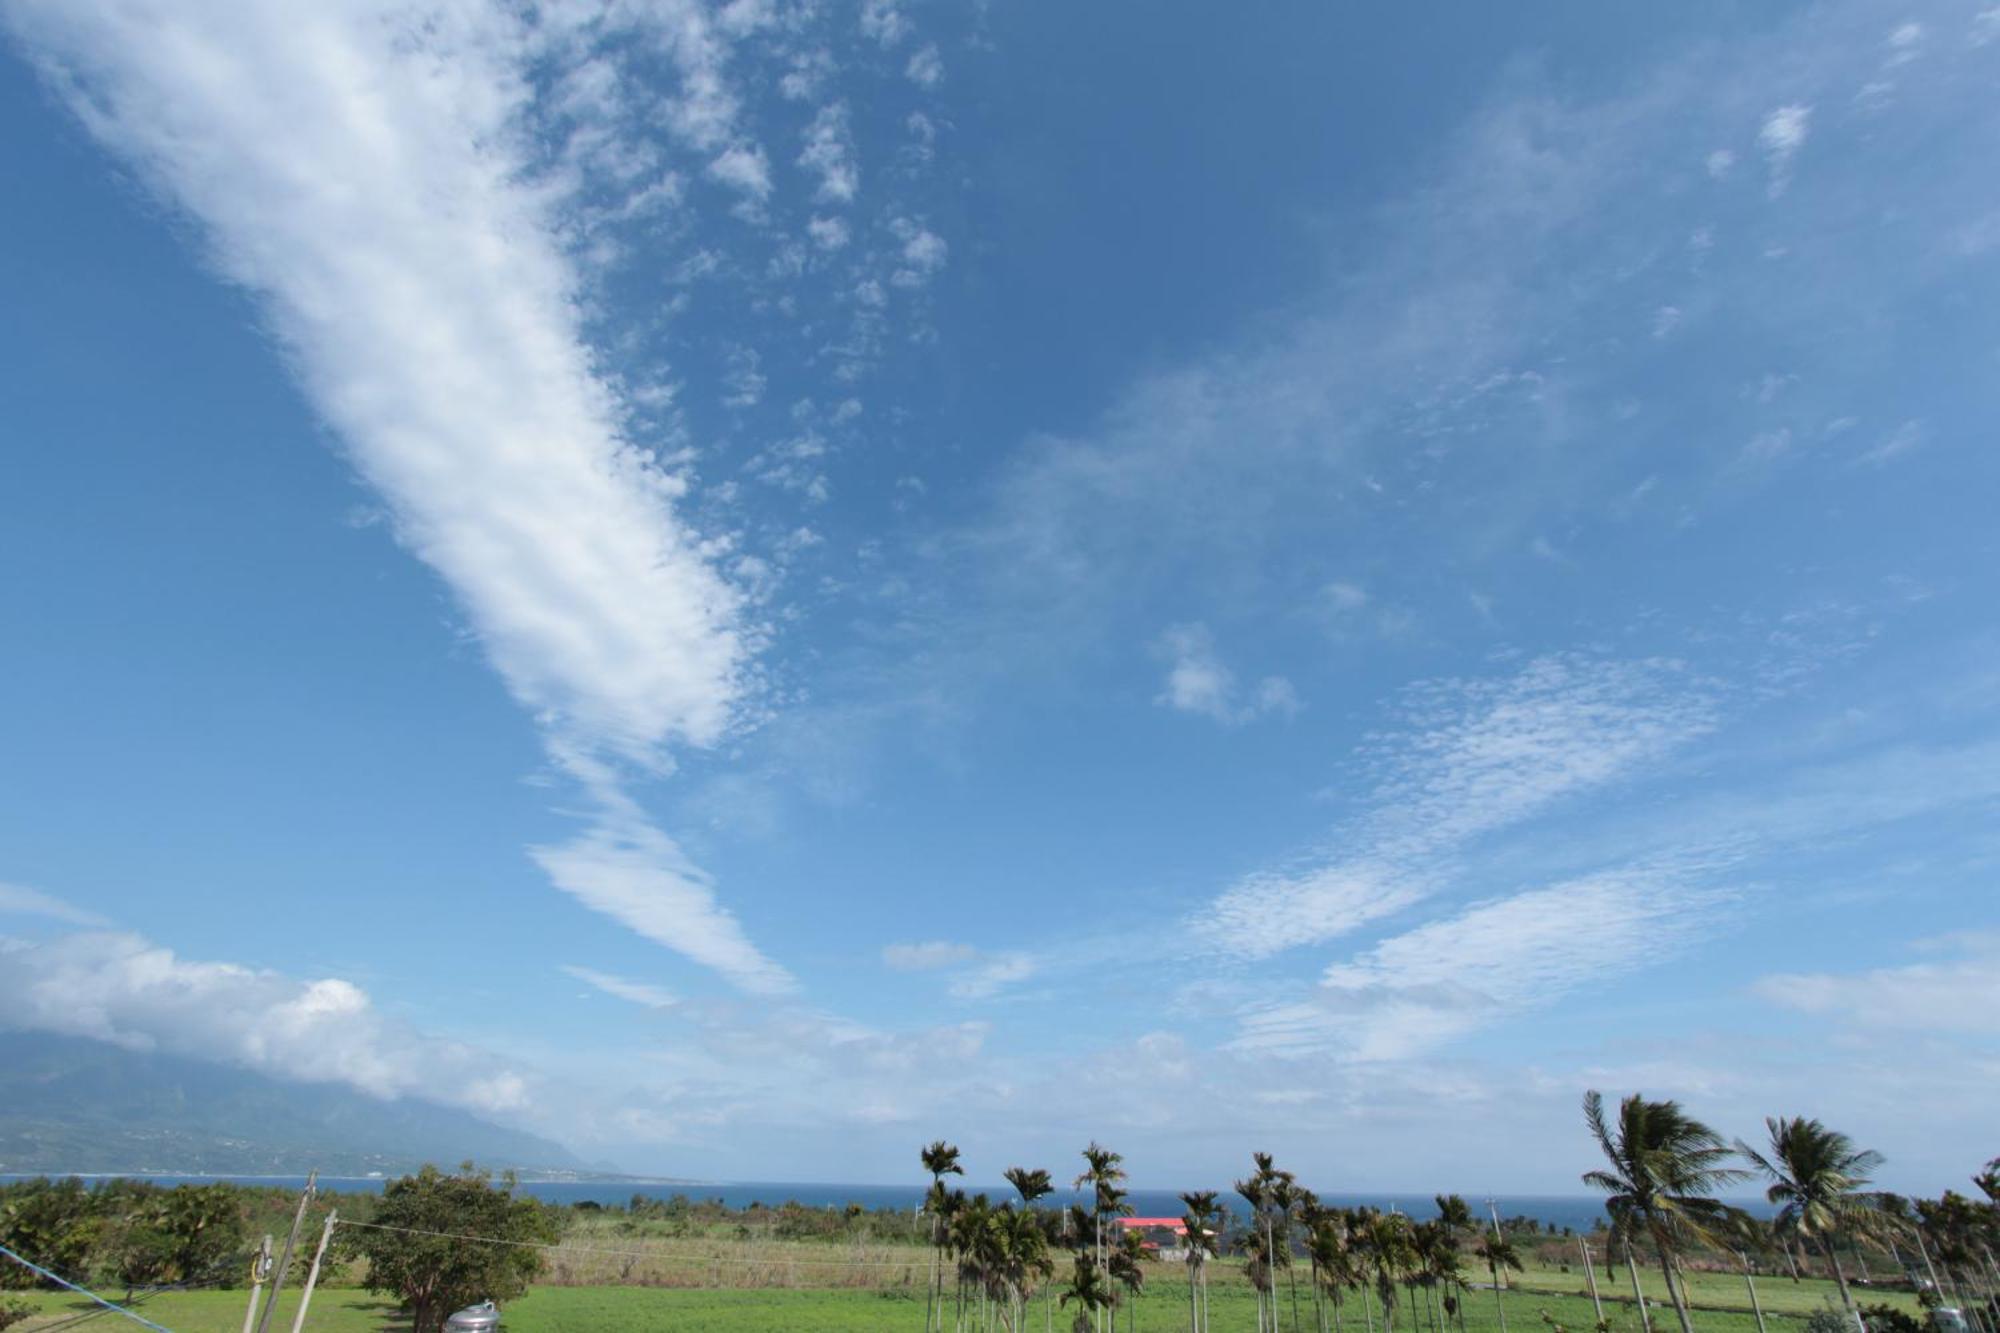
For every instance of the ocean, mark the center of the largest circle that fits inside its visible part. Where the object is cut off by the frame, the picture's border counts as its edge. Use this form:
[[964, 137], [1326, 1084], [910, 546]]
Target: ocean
[[1578, 1212]]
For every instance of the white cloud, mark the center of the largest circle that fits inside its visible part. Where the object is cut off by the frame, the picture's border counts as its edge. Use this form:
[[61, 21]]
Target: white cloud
[[884, 21], [361, 169], [1197, 682], [1782, 135], [743, 168], [1474, 756], [18, 900], [121, 988], [926, 66], [923, 252], [926, 957], [363, 176], [1905, 438], [1346, 596], [642, 993], [1665, 320], [827, 233], [1720, 162], [993, 976], [624, 867], [1958, 994], [1446, 978], [829, 155], [743, 383]]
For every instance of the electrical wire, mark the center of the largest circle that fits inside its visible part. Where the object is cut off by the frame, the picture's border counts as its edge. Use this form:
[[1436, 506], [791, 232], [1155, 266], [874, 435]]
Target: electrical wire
[[112, 1306]]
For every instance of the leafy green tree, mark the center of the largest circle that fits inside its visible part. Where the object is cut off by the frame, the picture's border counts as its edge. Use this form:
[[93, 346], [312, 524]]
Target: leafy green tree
[[417, 1247], [55, 1223], [1663, 1167], [1816, 1177]]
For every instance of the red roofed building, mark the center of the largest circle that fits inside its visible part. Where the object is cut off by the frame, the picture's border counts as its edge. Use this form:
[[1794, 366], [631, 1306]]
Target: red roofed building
[[1167, 1236]]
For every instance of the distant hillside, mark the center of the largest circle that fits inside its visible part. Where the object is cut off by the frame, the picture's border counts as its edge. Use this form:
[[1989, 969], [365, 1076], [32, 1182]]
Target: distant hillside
[[68, 1104]]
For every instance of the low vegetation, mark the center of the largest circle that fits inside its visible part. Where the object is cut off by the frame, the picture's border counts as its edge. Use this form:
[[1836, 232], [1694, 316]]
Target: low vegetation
[[1280, 1262]]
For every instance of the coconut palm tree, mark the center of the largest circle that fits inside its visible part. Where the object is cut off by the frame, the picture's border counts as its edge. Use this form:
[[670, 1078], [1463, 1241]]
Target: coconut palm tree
[[1664, 1167], [941, 1160], [1199, 1221], [1816, 1177]]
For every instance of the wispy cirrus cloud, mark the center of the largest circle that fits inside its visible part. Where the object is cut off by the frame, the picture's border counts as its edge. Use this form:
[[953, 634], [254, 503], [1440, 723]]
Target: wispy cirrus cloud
[[19, 900], [1491, 961], [1958, 991], [642, 993], [366, 172], [1472, 757]]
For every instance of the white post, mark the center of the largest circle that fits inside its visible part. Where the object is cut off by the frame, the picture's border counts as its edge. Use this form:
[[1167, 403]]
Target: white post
[[260, 1268], [312, 1277], [1590, 1275]]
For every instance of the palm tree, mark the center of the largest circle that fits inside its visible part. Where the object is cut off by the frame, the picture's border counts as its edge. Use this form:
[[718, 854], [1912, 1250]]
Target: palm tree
[[1816, 1176], [1088, 1289], [1256, 1193], [1102, 1173], [1454, 1218], [1199, 1222], [1033, 1186], [1285, 1198], [1391, 1254], [1499, 1253], [941, 1160], [1665, 1165], [1126, 1257], [1332, 1260]]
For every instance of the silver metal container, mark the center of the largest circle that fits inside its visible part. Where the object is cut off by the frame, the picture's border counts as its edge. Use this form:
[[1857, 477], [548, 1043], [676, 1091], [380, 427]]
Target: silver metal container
[[481, 1318]]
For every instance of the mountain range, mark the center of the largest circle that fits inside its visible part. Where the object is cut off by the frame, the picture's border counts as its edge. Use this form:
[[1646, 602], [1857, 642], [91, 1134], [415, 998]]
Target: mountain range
[[69, 1104]]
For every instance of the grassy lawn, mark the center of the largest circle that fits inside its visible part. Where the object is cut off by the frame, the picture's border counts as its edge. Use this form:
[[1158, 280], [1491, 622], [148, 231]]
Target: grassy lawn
[[615, 1309], [1719, 1291]]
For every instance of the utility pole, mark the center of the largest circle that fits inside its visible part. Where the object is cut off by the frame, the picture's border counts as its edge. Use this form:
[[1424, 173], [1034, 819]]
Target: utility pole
[[1755, 1307], [312, 1277], [1590, 1276], [1493, 1264], [285, 1259], [260, 1268]]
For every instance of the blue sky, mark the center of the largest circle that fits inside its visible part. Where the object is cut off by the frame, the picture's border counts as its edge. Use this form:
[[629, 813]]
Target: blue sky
[[749, 585]]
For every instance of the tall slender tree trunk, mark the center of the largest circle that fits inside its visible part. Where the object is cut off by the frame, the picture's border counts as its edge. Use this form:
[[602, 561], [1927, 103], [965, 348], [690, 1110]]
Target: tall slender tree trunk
[[1840, 1277], [1638, 1292], [1673, 1291]]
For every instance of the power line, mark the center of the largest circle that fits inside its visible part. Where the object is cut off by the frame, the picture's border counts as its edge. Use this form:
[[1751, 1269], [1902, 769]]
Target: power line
[[569, 1248], [115, 1308]]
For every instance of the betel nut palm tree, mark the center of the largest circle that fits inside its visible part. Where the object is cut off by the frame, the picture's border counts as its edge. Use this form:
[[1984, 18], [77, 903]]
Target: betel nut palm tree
[[940, 1159], [1664, 1166], [1816, 1177], [1199, 1223]]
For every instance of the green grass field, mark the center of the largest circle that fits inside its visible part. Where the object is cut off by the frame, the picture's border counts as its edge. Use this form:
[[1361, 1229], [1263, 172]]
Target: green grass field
[[625, 1309]]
